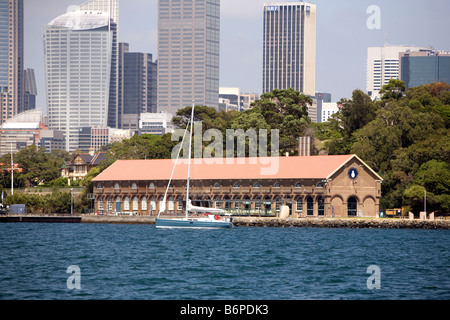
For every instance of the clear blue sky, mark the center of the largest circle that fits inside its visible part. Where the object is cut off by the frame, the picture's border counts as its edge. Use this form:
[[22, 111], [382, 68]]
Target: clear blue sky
[[342, 37]]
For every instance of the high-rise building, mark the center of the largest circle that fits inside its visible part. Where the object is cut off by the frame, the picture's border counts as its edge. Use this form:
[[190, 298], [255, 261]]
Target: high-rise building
[[188, 53], [11, 58], [111, 7], [138, 87], [419, 68], [289, 56], [30, 90], [383, 65], [78, 49]]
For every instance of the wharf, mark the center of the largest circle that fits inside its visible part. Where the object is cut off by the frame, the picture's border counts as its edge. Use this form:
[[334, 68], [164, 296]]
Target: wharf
[[354, 223]]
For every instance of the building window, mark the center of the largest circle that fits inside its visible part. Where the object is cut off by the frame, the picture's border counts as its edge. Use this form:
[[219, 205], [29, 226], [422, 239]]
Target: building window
[[236, 185], [298, 185], [134, 186], [319, 185], [257, 203], [180, 204], [171, 204], [144, 204], [277, 204], [126, 204], [276, 185], [320, 206], [109, 204], [299, 205], [216, 185], [309, 206], [99, 186], [135, 204], [100, 203], [152, 186], [153, 204], [116, 186], [218, 203], [256, 185]]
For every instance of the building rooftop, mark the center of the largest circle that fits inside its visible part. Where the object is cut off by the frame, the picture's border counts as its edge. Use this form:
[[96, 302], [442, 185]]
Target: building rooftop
[[82, 20], [312, 167]]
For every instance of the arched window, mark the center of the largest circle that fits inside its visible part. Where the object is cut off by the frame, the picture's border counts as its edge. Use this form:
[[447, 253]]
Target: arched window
[[320, 206], [352, 207], [257, 203], [171, 204], [118, 205], [180, 204], [152, 186], [276, 185], [126, 204], [218, 203], [319, 185], [267, 204], [216, 185], [116, 186], [309, 206], [109, 204], [227, 203], [134, 186], [153, 204], [99, 186], [236, 185], [277, 204], [298, 185], [135, 204], [299, 204], [100, 203], [144, 204], [256, 185]]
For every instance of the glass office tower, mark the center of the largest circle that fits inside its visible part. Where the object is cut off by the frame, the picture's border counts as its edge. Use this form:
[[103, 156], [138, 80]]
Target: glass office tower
[[188, 53], [289, 56], [78, 53]]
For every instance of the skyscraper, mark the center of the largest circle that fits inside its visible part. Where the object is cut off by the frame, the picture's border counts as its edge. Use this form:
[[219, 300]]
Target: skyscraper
[[383, 65], [139, 87], [424, 67], [78, 49], [289, 56], [111, 7], [188, 53], [11, 58]]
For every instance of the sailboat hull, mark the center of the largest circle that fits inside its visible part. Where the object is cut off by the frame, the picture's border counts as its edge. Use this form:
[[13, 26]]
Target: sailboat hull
[[192, 224]]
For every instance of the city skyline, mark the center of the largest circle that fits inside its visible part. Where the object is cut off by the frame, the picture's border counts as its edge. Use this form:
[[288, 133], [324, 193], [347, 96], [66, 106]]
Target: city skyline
[[342, 37]]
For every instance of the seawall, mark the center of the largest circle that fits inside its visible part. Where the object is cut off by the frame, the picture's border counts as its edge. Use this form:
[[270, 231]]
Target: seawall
[[248, 221]]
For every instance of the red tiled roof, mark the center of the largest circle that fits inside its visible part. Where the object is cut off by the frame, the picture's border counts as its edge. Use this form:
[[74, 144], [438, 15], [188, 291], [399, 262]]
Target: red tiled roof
[[312, 167]]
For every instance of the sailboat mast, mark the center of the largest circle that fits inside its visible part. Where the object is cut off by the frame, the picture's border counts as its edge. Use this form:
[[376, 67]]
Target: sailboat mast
[[189, 161]]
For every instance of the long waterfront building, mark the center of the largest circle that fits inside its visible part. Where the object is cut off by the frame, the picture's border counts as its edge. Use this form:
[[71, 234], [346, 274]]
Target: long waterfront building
[[330, 186]]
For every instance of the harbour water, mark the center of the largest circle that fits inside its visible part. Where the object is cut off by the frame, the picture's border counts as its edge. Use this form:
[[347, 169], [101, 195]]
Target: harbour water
[[124, 262]]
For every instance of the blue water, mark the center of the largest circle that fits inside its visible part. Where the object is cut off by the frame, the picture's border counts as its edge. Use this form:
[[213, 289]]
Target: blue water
[[142, 262]]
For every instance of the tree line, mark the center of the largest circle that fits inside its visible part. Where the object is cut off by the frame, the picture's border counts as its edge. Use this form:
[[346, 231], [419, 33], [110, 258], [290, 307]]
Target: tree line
[[404, 136]]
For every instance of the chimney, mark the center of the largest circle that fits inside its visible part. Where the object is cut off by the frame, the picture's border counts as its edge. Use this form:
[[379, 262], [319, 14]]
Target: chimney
[[304, 146]]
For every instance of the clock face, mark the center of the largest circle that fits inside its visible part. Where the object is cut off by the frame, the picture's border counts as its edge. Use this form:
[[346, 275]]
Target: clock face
[[353, 173]]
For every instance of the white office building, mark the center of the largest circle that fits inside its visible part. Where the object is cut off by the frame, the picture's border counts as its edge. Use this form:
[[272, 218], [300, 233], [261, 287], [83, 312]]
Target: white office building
[[78, 53], [383, 65], [289, 47]]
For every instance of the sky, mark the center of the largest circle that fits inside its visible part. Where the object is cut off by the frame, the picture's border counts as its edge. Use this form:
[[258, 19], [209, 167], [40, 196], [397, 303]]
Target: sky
[[343, 37]]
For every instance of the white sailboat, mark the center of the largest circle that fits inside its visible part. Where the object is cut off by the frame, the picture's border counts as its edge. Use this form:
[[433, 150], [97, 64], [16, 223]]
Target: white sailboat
[[211, 219]]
